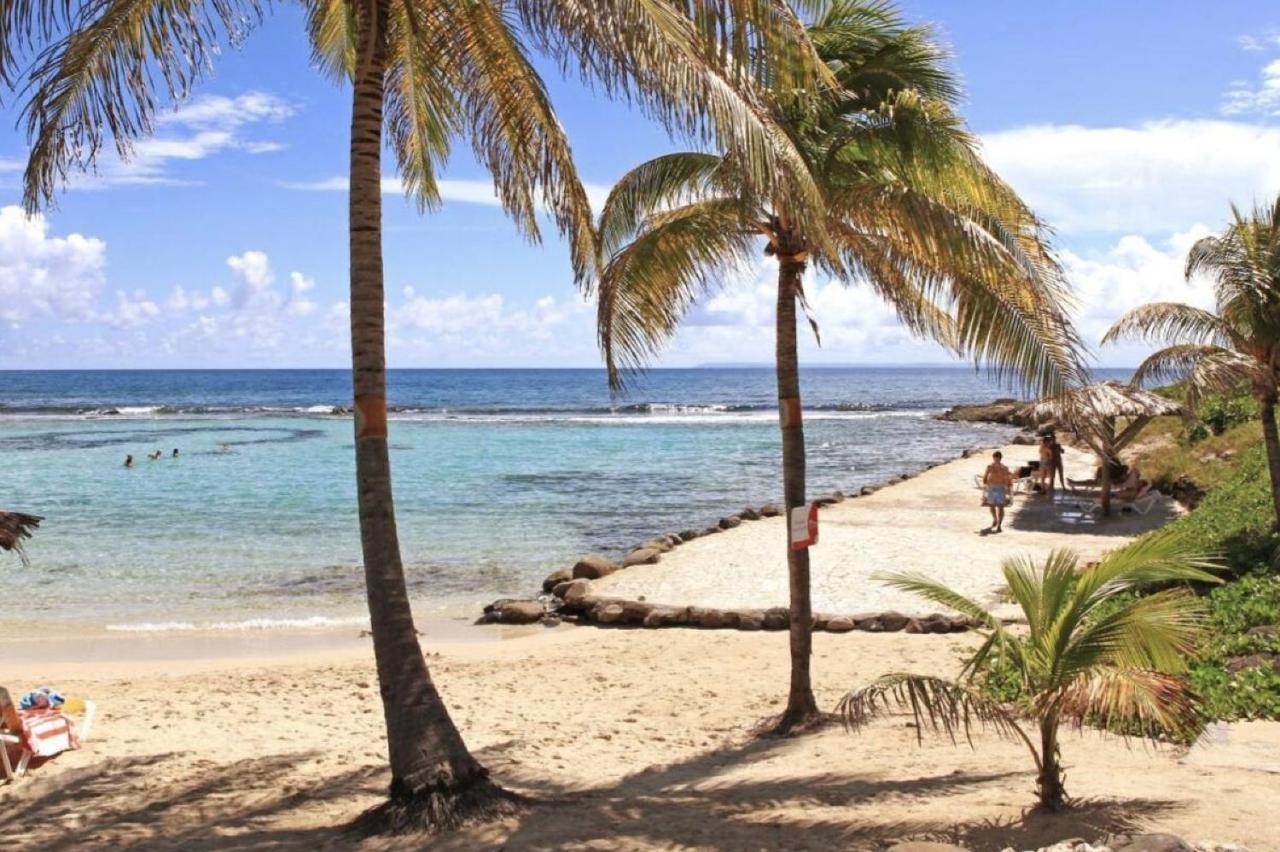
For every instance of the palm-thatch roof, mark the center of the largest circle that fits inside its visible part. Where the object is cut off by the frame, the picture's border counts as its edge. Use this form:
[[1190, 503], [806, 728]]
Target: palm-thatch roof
[[1103, 401], [14, 527]]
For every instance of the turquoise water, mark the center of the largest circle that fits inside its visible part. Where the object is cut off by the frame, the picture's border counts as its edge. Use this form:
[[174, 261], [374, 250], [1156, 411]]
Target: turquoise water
[[253, 525]]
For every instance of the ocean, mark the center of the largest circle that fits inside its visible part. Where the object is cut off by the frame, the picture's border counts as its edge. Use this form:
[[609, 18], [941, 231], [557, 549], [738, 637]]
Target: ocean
[[500, 477]]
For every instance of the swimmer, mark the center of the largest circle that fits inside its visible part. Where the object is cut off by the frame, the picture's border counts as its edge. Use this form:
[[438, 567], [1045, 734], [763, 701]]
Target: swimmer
[[175, 453], [128, 461]]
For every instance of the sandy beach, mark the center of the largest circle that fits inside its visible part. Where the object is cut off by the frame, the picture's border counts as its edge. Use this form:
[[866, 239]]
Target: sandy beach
[[625, 739]]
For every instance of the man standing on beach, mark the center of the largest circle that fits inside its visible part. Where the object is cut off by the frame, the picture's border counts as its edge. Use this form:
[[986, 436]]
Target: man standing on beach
[[996, 483]]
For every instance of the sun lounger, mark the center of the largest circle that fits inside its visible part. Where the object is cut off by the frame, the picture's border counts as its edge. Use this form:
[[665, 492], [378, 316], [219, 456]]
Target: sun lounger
[[39, 733], [1142, 502], [1021, 485]]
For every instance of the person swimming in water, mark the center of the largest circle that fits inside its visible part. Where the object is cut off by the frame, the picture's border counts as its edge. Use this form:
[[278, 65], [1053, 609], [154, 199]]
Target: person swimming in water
[[154, 456], [128, 461], [175, 453]]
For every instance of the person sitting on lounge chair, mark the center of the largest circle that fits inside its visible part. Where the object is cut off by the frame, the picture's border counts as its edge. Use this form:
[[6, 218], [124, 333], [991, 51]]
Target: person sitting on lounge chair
[[1132, 486]]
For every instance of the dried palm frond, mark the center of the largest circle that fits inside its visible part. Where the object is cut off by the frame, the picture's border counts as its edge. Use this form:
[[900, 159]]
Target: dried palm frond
[[14, 527]]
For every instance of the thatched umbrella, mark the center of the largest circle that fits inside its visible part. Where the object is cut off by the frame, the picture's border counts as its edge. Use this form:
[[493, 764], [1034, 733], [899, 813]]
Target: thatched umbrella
[[1094, 412], [14, 527]]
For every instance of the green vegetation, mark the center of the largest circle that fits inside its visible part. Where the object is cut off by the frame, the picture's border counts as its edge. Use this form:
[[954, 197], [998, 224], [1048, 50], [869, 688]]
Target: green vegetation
[[1094, 651]]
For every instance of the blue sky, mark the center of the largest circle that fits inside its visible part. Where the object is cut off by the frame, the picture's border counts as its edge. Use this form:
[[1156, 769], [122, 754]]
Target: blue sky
[[1128, 126]]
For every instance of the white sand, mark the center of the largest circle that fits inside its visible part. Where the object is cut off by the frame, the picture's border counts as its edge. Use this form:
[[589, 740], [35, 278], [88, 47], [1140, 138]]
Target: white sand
[[930, 524]]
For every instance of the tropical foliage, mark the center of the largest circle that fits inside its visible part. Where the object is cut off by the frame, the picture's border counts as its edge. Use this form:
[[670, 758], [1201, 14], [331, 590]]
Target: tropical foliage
[[1238, 343], [1092, 653], [424, 73], [910, 210]]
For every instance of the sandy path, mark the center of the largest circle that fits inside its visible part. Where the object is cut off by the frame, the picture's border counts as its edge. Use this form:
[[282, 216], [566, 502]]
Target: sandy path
[[929, 523], [630, 739]]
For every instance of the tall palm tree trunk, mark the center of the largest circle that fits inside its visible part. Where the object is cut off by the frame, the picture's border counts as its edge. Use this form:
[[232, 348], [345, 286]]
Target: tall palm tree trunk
[[802, 709], [1267, 410], [435, 782]]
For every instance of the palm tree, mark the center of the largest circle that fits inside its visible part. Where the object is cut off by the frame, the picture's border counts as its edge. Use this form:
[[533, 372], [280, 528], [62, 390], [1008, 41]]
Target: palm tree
[[1093, 653], [426, 71], [910, 210], [1237, 344]]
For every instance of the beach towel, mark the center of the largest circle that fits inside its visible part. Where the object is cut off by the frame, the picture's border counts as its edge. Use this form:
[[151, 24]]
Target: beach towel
[[47, 732], [40, 698]]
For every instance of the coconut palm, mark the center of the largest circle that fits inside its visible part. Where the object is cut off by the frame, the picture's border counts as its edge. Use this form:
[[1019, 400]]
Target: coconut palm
[[1092, 653], [910, 210], [426, 72], [1238, 343]]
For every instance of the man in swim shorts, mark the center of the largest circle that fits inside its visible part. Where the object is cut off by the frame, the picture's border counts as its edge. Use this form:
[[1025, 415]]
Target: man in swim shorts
[[996, 483]]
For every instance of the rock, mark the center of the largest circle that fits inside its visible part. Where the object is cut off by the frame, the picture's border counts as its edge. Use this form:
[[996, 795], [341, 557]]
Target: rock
[[749, 514], [573, 593], [1210, 846], [1147, 843], [660, 544], [960, 624], [839, 624], [926, 846], [593, 567], [1266, 631], [711, 530], [641, 556], [893, 621], [555, 578], [1250, 661], [868, 490], [1007, 411], [868, 622], [769, 510], [829, 499], [508, 611], [706, 618], [609, 613], [751, 620], [935, 623], [666, 616], [730, 522], [689, 535], [777, 618], [674, 539], [1024, 440], [551, 619]]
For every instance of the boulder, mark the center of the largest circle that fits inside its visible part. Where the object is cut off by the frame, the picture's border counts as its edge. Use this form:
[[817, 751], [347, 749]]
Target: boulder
[[730, 522], [641, 556], [769, 510], [960, 624], [508, 611], [868, 490], [751, 620], [689, 535], [707, 618], [1148, 843], [555, 578], [926, 846], [868, 622], [749, 514], [593, 567], [711, 530], [666, 616], [839, 624], [574, 594], [777, 618], [1025, 440], [660, 544], [893, 621], [829, 499], [608, 613], [935, 623]]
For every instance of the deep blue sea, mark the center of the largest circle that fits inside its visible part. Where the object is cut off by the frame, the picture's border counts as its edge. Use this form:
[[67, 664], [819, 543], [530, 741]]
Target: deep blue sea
[[500, 476]]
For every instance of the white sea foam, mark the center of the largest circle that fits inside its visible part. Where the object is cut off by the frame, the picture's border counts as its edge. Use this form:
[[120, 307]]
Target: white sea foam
[[249, 624]]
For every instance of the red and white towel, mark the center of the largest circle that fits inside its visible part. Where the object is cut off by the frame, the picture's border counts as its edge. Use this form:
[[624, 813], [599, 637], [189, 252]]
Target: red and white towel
[[47, 732]]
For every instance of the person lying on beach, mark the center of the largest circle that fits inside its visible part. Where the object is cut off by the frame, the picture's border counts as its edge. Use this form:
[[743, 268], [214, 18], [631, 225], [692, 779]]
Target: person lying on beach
[[1133, 485], [996, 484]]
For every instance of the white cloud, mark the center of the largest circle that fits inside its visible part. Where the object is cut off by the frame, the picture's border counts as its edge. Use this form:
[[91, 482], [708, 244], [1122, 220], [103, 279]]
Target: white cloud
[[43, 275], [1271, 38], [462, 191], [1262, 97], [298, 305], [131, 310], [1156, 178], [201, 128]]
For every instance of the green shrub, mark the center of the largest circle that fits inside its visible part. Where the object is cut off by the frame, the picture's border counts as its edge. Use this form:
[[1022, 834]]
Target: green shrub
[[1221, 413]]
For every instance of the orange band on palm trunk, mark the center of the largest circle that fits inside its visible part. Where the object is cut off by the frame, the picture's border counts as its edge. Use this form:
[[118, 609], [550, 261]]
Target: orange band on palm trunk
[[789, 412], [371, 417]]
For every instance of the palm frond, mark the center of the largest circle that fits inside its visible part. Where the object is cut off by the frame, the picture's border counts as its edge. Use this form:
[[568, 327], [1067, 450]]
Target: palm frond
[[1203, 368], [647, 287], [935, 592], [100, 79], [944, 707], [1154, 702], [14, 528], [1170, 321], [660, 184]]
